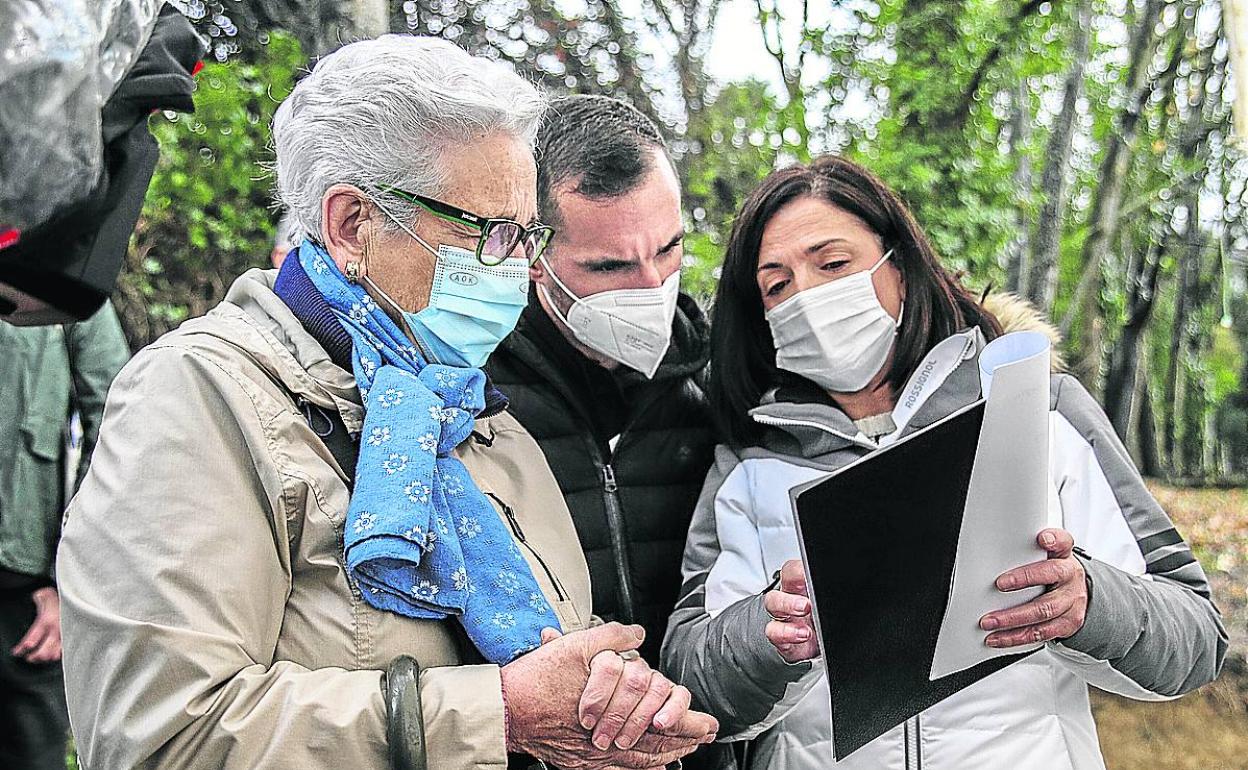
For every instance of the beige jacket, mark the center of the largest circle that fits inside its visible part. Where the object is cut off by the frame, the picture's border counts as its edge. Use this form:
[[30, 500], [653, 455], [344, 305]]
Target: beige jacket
[[208, 620]]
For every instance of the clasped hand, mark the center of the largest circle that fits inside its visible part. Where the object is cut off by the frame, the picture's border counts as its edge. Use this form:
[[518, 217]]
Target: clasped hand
[[576, 703]]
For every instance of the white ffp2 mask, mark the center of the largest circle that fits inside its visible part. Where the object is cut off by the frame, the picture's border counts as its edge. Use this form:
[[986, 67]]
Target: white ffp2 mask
[[837, 335], [631, 326]]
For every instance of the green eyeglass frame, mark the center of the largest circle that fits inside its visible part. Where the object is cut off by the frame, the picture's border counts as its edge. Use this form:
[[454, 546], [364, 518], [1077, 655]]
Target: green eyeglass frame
[[499, 237]]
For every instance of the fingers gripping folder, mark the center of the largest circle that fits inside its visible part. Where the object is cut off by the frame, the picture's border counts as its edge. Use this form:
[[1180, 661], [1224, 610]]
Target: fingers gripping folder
[[903, 546]]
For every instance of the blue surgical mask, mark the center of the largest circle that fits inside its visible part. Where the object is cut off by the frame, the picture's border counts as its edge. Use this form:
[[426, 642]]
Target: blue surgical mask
[[472, 307]]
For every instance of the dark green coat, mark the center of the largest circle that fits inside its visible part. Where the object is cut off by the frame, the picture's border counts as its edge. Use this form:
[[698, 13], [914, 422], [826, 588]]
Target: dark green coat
[[631, 505], [45, 371]]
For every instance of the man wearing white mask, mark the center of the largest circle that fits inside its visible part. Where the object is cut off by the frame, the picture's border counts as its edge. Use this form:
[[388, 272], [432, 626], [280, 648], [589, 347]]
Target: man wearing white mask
[[605, 368]]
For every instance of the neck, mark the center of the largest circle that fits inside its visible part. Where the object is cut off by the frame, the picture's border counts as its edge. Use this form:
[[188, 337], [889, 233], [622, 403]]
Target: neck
[[544, 299], [876, 398]]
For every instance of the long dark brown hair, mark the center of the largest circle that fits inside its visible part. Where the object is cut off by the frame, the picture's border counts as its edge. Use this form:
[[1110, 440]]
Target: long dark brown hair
[[743, 354]]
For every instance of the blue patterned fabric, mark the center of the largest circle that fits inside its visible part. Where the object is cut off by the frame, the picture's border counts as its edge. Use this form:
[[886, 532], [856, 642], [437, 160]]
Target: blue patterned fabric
[[421, 539]]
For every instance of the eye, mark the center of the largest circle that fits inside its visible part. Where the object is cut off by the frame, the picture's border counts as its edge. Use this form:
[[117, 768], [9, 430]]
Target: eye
[[833, 265], [775, 289]]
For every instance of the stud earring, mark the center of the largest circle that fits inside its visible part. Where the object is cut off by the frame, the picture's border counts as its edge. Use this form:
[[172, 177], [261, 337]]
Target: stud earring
[[353, 272]]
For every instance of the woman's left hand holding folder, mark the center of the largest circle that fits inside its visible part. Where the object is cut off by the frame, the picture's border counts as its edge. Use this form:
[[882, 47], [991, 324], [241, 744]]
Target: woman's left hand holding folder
[[1057, 613], [791, 629]]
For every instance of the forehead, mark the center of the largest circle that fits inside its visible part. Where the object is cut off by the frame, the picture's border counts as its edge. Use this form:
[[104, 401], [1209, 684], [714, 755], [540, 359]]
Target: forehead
[[806, 222], [642, 220], [492, 175]]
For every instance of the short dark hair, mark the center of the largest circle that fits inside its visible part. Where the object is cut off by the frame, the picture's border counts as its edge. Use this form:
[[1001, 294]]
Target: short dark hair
[[743, 353], [604, 144]]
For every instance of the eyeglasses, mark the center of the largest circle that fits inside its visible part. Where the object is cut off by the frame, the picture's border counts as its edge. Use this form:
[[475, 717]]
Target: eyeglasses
[[499, 237]]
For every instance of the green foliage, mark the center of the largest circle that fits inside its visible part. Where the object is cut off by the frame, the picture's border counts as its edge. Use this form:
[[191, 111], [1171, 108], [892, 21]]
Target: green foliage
[[208, 212], [735, 141], [927, 93], [1226, 362]]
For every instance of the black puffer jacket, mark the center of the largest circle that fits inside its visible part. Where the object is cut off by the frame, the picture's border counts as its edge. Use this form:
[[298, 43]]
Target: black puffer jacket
[[631, 504]]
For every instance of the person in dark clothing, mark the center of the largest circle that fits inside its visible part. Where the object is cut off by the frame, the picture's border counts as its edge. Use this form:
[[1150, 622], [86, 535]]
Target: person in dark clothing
[[49, 371], [606, 367]]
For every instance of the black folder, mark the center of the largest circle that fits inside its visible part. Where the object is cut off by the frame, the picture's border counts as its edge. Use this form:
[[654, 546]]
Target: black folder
[[879, 539]]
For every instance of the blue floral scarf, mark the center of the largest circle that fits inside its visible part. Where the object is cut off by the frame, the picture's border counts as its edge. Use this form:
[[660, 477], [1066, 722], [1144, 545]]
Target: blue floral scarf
[[421, 539]]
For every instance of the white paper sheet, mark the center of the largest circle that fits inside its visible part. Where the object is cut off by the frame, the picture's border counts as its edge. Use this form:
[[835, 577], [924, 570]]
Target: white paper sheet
[[1007, 501]]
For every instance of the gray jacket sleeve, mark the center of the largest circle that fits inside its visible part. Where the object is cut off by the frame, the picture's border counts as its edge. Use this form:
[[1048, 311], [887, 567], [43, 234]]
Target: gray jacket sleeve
[[724, 658], [1151, 635]]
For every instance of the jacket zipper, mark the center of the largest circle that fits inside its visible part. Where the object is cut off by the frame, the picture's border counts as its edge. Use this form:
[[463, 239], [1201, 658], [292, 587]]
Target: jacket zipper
[[519, 533], [619, 542], [763, 419], [616, 527], [912, 735]]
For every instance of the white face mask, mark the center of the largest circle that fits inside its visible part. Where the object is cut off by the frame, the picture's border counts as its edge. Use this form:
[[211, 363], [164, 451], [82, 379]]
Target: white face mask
[[837, 335], [632, 326]]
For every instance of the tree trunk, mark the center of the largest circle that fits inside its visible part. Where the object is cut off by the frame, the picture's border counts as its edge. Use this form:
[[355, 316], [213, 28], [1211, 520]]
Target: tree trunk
[[1039, 283], [1149, 462], [1019, 249], [1103, 221], [1121, 380], [369, 19], [1184, 304], [1209, 445]]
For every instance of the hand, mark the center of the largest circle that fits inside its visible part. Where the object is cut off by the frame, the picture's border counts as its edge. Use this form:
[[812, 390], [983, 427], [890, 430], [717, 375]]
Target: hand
[[625, 699], [543, 691], [791, 629], [42, 642], [1055, 614]]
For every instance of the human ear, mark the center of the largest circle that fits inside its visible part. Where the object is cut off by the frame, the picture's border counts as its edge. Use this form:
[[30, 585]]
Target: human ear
[[345, 224]]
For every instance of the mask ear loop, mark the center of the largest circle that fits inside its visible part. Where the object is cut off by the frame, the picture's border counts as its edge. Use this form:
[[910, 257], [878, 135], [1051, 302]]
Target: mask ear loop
[[404, 227], [563, 287], [901, 312], [367, 280]]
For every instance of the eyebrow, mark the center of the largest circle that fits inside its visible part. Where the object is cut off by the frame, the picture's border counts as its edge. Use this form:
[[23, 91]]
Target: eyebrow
[[826, 242], [673, 243], [812, 249], [608, 260]]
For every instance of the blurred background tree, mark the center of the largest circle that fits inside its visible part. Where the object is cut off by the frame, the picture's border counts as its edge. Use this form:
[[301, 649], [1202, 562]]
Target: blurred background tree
[[1077, 152]]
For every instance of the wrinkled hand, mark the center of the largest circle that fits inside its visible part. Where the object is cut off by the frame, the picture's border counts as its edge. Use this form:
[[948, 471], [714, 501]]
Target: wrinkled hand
[[1055, 614], [545, 692], [624, 699], [791, 629], [42, 642]]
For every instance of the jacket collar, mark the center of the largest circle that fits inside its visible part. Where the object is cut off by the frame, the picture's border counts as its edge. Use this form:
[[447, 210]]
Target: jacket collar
[[802, 420], [255, 320]]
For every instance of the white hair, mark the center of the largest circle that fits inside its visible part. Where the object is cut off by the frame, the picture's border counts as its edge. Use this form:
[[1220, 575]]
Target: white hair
[[379, 112]]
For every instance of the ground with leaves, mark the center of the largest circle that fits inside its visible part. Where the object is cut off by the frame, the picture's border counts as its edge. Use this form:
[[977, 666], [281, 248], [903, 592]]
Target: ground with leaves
[[1207, 730]]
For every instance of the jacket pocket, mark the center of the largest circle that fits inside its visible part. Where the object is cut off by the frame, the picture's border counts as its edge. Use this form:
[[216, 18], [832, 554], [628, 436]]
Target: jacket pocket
[[561, 602]]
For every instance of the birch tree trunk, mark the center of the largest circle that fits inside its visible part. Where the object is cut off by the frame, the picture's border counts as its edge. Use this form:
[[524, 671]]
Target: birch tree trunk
[[1103, 221], [1017, 258], [1039, 282]]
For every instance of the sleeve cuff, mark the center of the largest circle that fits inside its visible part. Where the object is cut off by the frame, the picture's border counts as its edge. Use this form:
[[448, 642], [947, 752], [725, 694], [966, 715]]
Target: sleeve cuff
[[758, 654], [464, 717], [1113, 621]]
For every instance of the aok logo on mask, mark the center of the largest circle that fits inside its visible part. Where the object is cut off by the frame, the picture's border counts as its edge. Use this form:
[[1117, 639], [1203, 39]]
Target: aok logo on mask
[[463, 279]]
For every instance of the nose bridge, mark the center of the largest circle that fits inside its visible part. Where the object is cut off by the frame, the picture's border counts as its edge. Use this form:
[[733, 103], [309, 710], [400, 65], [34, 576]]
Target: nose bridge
[[806, 275], [650, 274]]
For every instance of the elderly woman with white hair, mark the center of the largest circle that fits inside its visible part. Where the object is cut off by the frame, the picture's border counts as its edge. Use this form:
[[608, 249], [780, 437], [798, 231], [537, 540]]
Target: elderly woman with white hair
[[312, 536]]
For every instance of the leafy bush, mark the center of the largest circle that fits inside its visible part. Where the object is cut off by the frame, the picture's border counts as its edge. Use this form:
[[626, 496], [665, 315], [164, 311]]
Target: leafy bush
[[208, 214]]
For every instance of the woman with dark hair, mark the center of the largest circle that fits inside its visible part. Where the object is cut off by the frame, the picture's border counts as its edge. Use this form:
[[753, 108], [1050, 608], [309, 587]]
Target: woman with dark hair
[[837, 331]]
